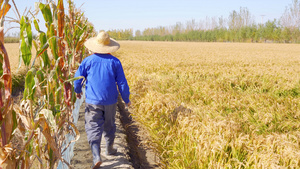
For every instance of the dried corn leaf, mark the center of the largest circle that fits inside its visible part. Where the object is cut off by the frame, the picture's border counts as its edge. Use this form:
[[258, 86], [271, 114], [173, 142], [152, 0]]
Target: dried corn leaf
[[24, 119], [1, 2], [7, 90], [6, 72], [9, 124], [4, 9], [7, 161], [45, 129], [48, 115]]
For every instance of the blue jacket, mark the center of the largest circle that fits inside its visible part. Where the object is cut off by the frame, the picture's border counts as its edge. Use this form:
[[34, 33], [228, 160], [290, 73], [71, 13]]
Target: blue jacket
[[103, 72]]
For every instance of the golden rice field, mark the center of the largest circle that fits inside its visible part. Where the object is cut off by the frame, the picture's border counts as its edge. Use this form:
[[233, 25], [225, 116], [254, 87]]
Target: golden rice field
[[13, 53], [217, 105]]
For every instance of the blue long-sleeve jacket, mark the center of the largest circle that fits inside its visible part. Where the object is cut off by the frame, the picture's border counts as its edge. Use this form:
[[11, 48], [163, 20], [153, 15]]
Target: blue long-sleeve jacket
[[103, 73]]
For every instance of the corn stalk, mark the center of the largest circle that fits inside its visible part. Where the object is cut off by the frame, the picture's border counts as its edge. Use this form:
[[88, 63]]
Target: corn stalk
[[7, 116]]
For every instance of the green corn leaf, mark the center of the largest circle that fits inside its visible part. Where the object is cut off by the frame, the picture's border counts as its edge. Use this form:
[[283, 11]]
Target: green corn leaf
[[46, 11], [53, 41], [80, 43], [41, 77], [58, 95], [43, 38], [44, 55], [15, 121], [51, 156], [36, 25], [46, 61], [35, 44], [75, 78], [67, 32], [79, 36], [79, 19], [26, 41], [52, 102], [29, 32], [25, 53], [29, 84], [73, 38], [22, 22], [58, 70], [54, 16]]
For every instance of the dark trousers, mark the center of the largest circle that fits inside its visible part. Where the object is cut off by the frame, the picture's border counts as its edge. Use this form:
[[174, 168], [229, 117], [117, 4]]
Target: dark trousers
[[100, 119]]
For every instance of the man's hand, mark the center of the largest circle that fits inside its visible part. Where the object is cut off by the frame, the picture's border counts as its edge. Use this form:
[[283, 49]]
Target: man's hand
[[78, 95], [128, 104]]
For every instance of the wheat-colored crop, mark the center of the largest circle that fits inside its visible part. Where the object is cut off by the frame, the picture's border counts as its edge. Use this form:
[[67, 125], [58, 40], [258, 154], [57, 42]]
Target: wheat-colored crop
[[217, 105], [13, 53]]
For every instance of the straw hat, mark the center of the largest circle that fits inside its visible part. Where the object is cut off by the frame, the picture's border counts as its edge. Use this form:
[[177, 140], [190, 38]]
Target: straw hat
[[102, 43]]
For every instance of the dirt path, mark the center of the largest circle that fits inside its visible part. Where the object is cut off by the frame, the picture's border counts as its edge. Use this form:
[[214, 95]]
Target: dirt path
[[82, 154]]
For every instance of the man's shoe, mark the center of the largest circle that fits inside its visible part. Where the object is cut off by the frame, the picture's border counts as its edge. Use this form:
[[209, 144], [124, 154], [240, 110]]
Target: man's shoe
[[97, 165], [110, 150]]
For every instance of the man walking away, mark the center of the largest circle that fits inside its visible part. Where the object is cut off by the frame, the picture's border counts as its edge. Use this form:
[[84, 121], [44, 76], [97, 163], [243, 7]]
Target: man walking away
[[104, 77]]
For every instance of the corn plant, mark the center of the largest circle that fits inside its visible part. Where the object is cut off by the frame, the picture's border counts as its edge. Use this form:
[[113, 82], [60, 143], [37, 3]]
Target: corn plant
[[7, 116], [45, 110], [64, 38]]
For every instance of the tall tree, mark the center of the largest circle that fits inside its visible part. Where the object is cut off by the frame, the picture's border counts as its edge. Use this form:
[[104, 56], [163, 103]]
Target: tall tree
[[240, 19], [191, 25], [270, 29], [291, 20], [138, 33], [291, 16]]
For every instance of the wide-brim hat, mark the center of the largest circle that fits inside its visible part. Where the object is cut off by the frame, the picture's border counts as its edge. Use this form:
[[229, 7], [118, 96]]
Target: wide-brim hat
[[102, 43]]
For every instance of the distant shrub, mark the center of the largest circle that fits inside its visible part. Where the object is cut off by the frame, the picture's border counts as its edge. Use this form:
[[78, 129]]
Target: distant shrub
[[11, 40], [18, 82]]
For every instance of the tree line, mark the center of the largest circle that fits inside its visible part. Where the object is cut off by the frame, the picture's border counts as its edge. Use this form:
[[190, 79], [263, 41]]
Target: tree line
[[240, 26]]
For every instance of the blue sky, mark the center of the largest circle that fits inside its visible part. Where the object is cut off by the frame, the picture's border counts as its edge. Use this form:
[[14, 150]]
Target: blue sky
[[141, 14]]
